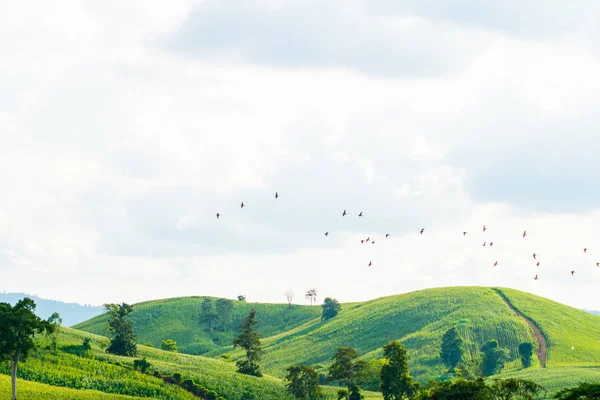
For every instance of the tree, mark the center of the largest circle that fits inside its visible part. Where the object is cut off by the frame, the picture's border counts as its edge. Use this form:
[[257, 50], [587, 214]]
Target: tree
[[55, 320], [583, 391], [19, 326], [249, 340], [331, 308], [169, 345], [507, 389], [241, 297], [289, 295], [311, 295], [494, 358], [224, 309], [458, 389], [123, 342], [142, 365], [452, 349], [208, 315], [526, 353], [347, 368], [303, 382], [396, 382]]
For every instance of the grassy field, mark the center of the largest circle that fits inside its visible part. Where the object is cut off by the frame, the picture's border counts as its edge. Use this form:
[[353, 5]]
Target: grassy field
[[180, 320]]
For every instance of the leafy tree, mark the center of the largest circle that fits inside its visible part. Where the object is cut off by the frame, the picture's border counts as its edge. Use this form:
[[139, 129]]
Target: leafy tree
[[583, 391], [507, 389], [19, 326], [396, 382], [458, 389], [141, 365], [241, 297], [123, 342], [208, 315], [289, 295], [526, 353], [55, 320], [347, 368], [331, 308], [311, 295], [249, 339], [224, 309], [372, 376], [494, 358], [169, 345], [303, 382], [452, 348]]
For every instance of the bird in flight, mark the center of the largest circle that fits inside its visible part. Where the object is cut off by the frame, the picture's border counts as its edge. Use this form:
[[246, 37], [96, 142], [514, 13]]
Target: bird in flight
[[387, 234], [534, 256], [360, 215], [422, 230], [276, 195], [362, 241], [464, 233], [598, 264], [496, 263], [370, 263], [326, 233], [491, 244], [344, 213], [369, 238], [372, 242], [484, 228], [536, 278], [538, 264], [572, 273], [242, 205], [218, 215], [524, 233], [585, 250], [484, 243]]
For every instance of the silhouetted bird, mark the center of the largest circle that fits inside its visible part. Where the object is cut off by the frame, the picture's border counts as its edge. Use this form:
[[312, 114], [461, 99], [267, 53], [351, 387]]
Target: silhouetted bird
[[242, 205], [536, 278], [326, 233], [464, 233], [496, 263], [387, 234], [484, 228], [360, 215], [491, 244], [368, 239], [598, 264], [524, 233], [370, 263], [422, 230], [534, 256], [276, 195], [585, 250], [572, 273], [362, 241], [484, 243], [538, 264], [344, 213], [218, 215], [372, 242]]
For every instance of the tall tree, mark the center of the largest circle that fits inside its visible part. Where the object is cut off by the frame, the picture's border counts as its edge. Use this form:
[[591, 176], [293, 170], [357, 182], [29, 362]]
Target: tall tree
[[452, 348], [55, 320], [289, 295], [123, 342], [347, 368], [311, 295], [396, 382], [248, 339], [526, 353], [18, 326], [224, 309], [331, 308], [494, 358], [207, 314], [303, 382]]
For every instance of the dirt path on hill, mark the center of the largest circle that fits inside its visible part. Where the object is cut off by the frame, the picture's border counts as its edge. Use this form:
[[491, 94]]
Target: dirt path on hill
[[543, 346]]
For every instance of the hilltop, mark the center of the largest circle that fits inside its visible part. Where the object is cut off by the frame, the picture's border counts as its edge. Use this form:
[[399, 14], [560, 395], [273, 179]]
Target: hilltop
[[71, 313], [296, 334]]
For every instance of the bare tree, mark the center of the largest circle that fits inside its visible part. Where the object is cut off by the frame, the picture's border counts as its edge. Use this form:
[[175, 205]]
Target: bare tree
[[289, 295], [311, 296]]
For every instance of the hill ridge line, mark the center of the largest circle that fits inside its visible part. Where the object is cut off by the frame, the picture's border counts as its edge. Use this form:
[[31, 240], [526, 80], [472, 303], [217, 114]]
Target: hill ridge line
[[542, 353]]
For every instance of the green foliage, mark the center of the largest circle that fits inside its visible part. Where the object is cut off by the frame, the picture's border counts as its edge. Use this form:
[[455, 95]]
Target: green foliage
[[208, 315], [452, 351], [241, 297], [396, 382], [224, 308], [458, 389], [311, 295], [249, 340], [169, 345], [526, 353], [507, 389], [355, 393], [494, 358], [331, 308], [141, 365], [303, 382], [55, 320], [583, 391], [123, 339], [347, 368]]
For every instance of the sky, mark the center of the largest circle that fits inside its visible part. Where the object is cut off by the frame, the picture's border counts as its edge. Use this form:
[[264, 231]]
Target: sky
[[125, 126]]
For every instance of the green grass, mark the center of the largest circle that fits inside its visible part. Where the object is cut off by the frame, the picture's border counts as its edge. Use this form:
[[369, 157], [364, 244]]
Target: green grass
[[27, 390], [180, 320]]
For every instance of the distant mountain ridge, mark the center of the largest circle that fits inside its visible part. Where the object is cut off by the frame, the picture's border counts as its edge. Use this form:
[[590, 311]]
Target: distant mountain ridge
[[71, 313]]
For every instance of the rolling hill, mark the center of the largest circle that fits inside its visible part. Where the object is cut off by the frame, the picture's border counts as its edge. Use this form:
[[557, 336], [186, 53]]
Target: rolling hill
[[296, 334]]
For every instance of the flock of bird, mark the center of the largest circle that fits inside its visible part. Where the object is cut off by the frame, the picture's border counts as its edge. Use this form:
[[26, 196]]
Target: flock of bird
[[485, 243]]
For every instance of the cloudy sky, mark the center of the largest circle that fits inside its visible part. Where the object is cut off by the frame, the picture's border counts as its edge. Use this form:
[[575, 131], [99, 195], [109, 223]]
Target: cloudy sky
[[126, 125]]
